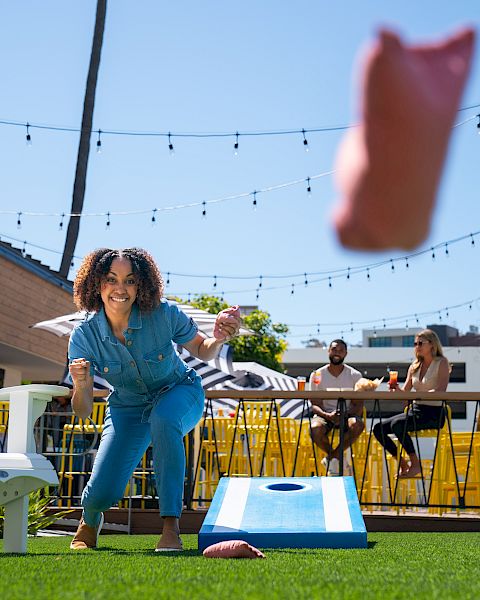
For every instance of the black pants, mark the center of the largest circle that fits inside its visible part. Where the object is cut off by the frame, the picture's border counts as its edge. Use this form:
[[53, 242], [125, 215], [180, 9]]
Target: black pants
[[418, 417]]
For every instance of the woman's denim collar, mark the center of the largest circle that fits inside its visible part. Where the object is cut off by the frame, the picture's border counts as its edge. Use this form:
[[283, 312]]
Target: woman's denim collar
[[134, 322]]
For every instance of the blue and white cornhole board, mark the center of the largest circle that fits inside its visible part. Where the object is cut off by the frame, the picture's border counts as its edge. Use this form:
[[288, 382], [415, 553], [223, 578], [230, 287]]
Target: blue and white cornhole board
[[285, 512]]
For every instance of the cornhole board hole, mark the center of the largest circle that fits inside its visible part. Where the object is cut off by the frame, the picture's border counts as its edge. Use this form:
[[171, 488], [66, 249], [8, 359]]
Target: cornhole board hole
[[285, 512]]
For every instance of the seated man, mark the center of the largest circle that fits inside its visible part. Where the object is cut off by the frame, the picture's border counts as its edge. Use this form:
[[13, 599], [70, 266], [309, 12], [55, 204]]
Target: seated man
[[326, 416]]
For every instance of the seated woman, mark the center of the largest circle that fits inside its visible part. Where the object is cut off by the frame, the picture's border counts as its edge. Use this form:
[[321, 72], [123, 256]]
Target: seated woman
[[429, 372]]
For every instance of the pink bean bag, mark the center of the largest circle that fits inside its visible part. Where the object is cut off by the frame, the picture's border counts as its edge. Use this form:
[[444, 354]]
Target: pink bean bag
[[389, 166], [232, 549], [223, 317]]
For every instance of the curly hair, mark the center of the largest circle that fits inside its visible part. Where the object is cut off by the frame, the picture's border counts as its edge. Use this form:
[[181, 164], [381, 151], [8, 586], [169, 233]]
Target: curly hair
[[96, 265]]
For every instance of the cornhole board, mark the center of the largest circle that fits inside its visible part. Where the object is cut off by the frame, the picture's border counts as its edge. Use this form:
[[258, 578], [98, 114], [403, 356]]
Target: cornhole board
[[285, 512]]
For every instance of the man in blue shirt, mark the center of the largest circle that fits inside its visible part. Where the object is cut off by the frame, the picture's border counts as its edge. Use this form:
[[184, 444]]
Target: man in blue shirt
[[128, 339]]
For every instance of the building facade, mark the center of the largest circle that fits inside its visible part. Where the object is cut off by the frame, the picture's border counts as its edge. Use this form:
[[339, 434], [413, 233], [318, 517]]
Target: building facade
[[31, 292]]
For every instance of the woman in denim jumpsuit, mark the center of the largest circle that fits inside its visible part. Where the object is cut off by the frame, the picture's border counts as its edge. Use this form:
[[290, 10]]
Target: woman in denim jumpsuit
[[157, 399]]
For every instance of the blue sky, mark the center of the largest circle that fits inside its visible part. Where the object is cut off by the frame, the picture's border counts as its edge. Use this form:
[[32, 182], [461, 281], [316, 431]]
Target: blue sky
[[225, 67]]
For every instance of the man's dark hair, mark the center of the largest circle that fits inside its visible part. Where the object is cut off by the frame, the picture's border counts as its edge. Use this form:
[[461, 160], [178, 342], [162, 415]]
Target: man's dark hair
[[339, 341]]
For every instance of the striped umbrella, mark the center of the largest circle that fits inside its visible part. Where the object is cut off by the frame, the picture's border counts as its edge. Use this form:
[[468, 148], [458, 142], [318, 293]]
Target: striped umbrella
[[212, 372], [65, 324], [253, 376]]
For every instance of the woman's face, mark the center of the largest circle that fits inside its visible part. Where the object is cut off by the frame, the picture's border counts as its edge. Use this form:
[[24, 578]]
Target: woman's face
[[423, 347], [119, 288]]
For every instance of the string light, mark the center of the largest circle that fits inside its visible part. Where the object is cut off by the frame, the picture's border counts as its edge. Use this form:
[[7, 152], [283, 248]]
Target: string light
[[478, 124], [99, 142], [235, 145], [154, 219], [204, 210], [309, 187], [200, 135], [257, 295], [254, 203], [406, 262], [28, 137], [272, 188], [306, 279], [214, 281], [392, 266], [446, 251], [473, 241], [330, 282], [350, 324], [391, 321], [305, 141], [315, 277], [171, 149], [60, 225], [433, 253]]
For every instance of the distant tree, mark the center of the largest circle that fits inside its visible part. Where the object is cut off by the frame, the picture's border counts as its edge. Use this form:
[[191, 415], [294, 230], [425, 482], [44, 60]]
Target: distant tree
[[265, 347]]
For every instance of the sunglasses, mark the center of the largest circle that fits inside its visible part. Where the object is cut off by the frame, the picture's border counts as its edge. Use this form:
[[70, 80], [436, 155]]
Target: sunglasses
[[420, 343]]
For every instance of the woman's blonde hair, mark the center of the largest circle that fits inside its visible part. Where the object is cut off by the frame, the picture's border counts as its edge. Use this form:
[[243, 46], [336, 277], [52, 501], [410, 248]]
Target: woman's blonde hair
[[437, 349]]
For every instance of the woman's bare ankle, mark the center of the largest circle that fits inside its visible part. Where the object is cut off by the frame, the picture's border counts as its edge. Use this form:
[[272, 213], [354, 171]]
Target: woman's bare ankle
[[171, 524]]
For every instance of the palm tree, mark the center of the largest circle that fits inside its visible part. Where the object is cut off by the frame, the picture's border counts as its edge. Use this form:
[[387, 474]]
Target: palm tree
[[84, 145]]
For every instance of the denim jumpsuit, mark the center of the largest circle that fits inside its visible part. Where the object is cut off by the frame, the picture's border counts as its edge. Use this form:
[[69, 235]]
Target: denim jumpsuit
[[157, 399]]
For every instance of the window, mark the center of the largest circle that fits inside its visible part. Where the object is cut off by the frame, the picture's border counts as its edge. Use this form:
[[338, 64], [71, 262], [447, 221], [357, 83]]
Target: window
[[407, 340], [380, 342]]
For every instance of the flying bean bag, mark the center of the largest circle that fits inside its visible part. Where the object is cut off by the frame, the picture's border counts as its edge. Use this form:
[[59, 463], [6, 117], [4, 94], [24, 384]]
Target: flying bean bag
[[389, 166]]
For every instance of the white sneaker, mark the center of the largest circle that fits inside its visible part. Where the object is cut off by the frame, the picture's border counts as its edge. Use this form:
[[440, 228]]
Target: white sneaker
[[332, 466]]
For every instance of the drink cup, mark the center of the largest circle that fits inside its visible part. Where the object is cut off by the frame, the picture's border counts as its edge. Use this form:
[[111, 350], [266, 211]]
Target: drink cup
[[317, 378], [392, 382], [301, 383]]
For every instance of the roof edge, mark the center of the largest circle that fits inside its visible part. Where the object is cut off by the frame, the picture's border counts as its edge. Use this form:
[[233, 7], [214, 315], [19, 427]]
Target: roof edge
[[29, 263]]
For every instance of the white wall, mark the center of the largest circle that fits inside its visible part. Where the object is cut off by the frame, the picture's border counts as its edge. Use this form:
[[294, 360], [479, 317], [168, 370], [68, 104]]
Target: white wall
[[12, 376]]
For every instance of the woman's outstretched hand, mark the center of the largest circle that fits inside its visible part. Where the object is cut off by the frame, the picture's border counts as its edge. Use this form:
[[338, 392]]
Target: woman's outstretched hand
[[227, 324]]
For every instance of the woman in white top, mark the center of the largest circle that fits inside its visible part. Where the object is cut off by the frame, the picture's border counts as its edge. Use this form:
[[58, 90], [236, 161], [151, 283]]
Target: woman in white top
[[429, 372]]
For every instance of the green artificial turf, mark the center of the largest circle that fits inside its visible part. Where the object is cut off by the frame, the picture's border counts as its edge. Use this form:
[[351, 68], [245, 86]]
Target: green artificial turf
[[396, 565]]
